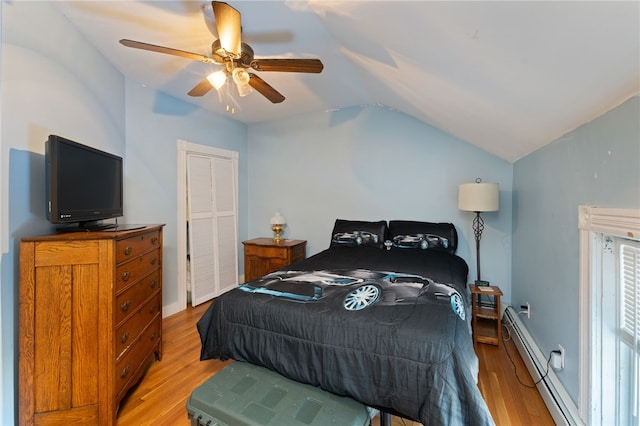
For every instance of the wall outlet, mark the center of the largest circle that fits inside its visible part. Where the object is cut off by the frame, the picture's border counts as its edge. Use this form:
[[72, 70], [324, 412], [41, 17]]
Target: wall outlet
[[557, 358], [526, 309]]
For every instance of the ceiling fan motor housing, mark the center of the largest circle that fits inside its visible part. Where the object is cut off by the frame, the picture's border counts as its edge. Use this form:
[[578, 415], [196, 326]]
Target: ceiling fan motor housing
[[230, 60]]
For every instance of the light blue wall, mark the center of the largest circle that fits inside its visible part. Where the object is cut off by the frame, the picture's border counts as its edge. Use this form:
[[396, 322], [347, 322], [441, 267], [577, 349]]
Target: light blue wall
[[373, 163], [155, 122], [53, 81], [49, 75], [597, 164]]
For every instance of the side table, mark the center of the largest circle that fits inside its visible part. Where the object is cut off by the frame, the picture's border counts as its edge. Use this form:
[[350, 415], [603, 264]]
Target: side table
[[487, 323]]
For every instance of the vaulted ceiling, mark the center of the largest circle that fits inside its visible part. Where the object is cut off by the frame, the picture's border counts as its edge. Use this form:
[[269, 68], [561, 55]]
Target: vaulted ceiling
[[508, 77]]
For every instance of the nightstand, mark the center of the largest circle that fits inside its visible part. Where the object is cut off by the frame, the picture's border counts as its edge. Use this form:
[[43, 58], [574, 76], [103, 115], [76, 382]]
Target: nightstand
[[487, 324], [263, 255]]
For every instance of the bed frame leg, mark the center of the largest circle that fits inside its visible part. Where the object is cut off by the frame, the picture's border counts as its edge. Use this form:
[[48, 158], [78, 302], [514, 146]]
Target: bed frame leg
[[385, 418]]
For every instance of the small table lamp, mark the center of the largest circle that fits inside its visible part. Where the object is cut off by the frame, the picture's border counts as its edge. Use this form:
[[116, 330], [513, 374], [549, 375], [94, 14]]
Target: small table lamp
[[478, 197], [278, 222]]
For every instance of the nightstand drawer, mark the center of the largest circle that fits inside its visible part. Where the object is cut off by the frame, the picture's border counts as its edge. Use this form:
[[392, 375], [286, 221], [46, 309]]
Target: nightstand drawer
[[263, 255], [270, 252]]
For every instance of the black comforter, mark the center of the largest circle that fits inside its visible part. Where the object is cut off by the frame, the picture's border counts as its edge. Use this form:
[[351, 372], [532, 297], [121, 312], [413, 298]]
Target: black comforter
[[406, 348]]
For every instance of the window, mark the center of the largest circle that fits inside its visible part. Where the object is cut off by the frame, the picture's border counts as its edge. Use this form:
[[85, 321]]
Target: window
[[628, 357], [610, 316], [630, 293]]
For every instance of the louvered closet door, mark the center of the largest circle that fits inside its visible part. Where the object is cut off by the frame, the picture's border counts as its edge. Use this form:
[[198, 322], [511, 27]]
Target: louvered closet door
[[211, 187]]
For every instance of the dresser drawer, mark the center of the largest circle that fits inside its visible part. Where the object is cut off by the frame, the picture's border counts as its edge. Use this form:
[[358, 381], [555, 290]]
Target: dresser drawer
[[132, 271], [268, 252], [130, 299], [128, 365], [135, 246], [127, 333]]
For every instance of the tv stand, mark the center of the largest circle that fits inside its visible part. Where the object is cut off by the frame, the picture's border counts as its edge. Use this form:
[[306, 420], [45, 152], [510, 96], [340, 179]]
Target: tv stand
[[97, 227], [125, 227], [101, 227], [86, 227]]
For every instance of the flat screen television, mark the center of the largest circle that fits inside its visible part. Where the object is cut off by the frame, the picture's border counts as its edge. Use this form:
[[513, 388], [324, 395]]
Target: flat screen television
[[83, 185]]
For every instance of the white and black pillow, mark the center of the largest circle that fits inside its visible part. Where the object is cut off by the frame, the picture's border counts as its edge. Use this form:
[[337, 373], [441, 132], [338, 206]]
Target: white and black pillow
[[409, 234], [358, 233]]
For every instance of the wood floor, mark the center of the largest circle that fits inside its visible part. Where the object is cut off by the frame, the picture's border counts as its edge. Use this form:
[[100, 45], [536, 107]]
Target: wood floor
[[161, 396]]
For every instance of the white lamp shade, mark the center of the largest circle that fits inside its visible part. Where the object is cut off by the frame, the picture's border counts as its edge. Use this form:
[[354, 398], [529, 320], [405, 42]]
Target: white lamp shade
[[217, 79], [242, 77], [278, 219], [478, 197]]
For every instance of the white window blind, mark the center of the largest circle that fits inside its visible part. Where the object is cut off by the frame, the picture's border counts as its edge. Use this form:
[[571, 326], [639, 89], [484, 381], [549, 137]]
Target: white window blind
[[628, 351], [630, 303]]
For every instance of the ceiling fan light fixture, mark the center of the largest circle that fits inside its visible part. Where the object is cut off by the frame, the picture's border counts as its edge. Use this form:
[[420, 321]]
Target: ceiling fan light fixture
[[236, 56], [241, 78], [217, 79]]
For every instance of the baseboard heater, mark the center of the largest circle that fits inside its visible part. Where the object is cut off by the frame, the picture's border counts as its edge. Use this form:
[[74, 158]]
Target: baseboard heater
[[560, 405]]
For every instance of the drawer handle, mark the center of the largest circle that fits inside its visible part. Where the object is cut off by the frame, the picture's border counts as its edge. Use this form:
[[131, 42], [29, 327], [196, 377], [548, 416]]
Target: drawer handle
[[124, 337], [126, 275], [125, 305], [154, 260], [152, 309], [127, 250], [125, 371], [154, 240], [153, 336], [154, 283]]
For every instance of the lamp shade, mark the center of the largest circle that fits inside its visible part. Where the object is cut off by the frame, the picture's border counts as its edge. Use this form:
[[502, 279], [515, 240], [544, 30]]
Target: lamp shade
[[242, 77], [478, 197], [278, 219], [217, 79]]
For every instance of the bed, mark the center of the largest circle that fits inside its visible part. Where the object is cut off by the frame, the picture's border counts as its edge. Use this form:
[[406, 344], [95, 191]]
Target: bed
[[381, 316]]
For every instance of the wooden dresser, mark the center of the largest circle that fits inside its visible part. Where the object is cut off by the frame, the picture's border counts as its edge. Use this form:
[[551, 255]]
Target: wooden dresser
[[90, 321], [263, 255]]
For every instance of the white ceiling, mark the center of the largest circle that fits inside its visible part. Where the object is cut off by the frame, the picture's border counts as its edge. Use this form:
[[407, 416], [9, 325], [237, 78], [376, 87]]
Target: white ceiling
[[508, 77]]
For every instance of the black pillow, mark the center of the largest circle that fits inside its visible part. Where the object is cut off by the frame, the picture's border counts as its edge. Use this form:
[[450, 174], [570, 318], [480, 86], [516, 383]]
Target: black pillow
[[423, 235], [359, 233]]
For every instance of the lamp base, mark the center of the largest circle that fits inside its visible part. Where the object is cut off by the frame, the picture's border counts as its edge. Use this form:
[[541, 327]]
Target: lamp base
[[277, 229], [481, 283]]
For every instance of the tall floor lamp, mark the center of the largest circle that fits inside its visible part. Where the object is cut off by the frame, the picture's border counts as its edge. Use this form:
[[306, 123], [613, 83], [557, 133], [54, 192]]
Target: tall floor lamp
[[478, 197]]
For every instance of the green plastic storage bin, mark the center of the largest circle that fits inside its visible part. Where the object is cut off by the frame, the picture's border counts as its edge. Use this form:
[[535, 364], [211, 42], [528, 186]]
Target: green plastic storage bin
[[243, 394]]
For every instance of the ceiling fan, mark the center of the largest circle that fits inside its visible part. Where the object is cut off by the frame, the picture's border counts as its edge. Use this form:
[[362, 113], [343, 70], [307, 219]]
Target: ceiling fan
[[236, 57]]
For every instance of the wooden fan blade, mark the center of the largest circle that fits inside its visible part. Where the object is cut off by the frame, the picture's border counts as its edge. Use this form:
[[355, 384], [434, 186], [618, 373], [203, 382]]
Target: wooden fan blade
[[201, 88], [167, 50], [265, 89], [229, 27], [288, 65]]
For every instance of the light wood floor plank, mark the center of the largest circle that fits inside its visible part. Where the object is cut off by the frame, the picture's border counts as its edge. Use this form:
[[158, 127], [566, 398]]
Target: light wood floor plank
[[161, 396]]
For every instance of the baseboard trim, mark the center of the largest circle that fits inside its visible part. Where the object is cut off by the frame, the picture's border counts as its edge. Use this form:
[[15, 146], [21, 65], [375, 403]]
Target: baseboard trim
[[562, 408], [171, 309]]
